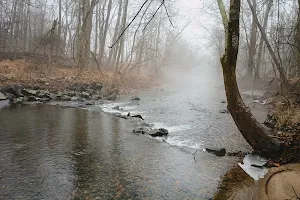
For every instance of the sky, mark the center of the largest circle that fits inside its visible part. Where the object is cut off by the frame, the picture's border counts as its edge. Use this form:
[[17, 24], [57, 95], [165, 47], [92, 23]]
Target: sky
[[193, 10]]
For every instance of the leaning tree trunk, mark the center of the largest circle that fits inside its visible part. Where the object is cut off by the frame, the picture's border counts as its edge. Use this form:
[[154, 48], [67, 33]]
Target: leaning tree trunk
[[255, 134]]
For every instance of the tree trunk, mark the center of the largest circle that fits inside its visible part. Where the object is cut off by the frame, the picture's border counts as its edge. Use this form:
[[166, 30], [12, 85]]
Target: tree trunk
[[103, 39], [261, 43], [264, 37], [252, 45], [112, 53], [255, 134]]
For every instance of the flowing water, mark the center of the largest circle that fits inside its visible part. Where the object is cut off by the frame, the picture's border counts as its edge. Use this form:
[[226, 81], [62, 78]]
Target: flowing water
[[54, 152]]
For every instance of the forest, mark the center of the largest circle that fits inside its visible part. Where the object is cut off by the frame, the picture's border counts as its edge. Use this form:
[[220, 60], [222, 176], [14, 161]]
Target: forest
[[92, 54]]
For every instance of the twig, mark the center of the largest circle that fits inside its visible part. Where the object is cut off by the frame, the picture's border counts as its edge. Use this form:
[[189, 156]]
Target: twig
[[296, 193], [162, 3], [194, 155], [168, 14], [97, 63], [129, 24]]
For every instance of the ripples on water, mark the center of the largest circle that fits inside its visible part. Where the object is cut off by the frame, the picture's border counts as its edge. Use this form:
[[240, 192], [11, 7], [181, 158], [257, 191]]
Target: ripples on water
[[52, 153]]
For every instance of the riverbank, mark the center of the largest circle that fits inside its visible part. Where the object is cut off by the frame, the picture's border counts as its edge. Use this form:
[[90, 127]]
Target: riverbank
[[22, 81], [283, 178], [279, 183]]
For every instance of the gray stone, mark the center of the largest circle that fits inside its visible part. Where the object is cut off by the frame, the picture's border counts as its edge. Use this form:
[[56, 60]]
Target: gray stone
[[135, 98], [85, 95], [71, 93], [159, 133], [43, 94], [53, 97], [18, 100], [224, 111], [15, 90], [97, 97], [80, 99], [2, 96], [112, 97], [66, 98], [4, 103], [218, 152], [97, 86], [32, 98], [80, 88], [27, 92]]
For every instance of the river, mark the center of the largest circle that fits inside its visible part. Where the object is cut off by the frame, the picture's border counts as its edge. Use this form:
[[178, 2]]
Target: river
[[57, 152]]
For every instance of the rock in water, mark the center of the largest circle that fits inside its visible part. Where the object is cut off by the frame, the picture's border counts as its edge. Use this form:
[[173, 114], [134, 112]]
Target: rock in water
[[225, 111], [2, 96], [135, 98], [160, 133], [217, 152], [223, 101]]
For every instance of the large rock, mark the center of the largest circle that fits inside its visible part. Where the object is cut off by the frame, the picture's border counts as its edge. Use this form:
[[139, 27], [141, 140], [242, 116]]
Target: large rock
[[15, 90], [27, 92], [2, 96], [159, 133], [216, 151]]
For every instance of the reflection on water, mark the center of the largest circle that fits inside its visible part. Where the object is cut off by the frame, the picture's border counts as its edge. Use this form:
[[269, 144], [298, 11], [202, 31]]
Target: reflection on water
[[48, 152]]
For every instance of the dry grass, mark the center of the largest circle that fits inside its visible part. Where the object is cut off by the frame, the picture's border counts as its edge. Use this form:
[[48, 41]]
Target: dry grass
[[33, 75], [286, 111]]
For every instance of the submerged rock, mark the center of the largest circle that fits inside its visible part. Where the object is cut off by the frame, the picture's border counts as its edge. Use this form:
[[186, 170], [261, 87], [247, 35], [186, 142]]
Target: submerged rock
[[141, 130], [224, 111], [218, 152], [159, 133]]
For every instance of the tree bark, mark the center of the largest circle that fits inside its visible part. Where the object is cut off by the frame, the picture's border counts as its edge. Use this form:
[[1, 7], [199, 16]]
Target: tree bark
[[252, 45], [255, 134]]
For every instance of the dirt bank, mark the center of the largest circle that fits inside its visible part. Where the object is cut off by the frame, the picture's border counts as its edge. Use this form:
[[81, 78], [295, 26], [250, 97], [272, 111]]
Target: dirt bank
[[54, 78], [279, 184]]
